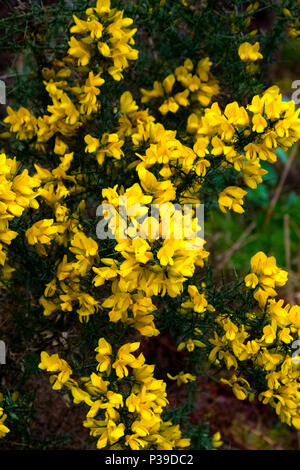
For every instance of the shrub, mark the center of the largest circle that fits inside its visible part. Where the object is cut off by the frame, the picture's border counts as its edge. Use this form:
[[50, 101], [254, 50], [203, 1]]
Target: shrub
[[136, 105]]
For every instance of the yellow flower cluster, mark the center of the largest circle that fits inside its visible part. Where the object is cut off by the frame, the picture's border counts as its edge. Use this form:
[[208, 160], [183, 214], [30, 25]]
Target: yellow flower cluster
[[74, 91], [121, 385], [65, 292], [22, 123], [106, 33], [156, 266], [243, 137], [293, 23], [110, 146], [18, 192], [272, 351], [266, 275], [198, 88]]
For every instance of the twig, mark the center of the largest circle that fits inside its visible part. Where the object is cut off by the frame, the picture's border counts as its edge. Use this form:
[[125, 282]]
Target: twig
[[287, 249], [280, 184], [236, 246], [287, 244], [13, 75]]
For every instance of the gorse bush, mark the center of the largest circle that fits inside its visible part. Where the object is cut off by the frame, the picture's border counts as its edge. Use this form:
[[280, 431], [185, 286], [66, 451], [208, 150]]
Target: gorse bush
[[134, 104]]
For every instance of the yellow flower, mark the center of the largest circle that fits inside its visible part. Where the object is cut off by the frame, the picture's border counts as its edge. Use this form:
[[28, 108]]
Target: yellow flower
[[259, 123], [102, 7], [83, 245], [157, 92], [248, 52], [232, 198], [43, 232], [169, 105], [104, 351], [22, 122], [80, 51], [3, 429], [216, 440], [125, 358], [190, 345], [269, 334], [81, 26], [231, 329], [53, 363], [251, 280], [111, 434], [267, 275], [127, 103], [92, 143], [135, 442], [182, 378], [168, 83]]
